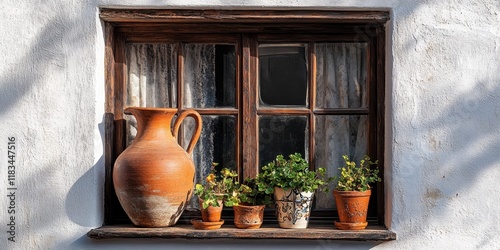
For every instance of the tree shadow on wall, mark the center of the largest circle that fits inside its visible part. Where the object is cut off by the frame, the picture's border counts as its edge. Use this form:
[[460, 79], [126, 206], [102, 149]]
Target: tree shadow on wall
[[466, 132]]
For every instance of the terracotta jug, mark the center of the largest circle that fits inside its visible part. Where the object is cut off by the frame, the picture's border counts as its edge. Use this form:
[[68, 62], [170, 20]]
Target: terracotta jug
[[154, 176]]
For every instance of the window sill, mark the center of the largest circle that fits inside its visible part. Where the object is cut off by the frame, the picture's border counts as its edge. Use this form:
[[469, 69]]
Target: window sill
[[371, 233]]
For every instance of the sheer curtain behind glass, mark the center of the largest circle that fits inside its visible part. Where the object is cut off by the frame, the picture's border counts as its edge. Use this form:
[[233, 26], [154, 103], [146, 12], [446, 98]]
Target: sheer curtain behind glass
[[209, 75], [341, 83]]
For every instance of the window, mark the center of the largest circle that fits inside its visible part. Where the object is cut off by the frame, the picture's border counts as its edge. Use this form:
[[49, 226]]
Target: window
[[265, 83]]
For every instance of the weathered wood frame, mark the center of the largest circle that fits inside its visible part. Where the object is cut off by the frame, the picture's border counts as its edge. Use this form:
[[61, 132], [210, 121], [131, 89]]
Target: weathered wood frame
[[154, 25]]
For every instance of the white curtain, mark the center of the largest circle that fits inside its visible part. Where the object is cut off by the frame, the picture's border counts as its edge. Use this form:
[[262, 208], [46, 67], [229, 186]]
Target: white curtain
[[341, 82], [152, 72]]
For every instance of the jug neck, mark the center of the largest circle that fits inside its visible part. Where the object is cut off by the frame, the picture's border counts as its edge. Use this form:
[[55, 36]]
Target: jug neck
[[153, 122]]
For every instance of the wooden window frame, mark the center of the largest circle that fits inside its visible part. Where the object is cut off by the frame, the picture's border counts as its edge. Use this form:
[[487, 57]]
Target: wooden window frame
[[169, 25]]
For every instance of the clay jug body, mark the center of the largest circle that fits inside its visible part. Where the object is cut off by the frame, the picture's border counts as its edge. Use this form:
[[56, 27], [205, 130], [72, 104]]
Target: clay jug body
[[154, 176]]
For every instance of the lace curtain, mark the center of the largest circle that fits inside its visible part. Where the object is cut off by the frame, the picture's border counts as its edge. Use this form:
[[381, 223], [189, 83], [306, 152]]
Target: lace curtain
[[341, 82]]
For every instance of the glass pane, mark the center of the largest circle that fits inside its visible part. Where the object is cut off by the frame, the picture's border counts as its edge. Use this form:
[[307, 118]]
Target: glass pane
[[282, 135], [152, 75], [209, 75], [217, 143], [336, 136], [283, 75], [341, 75]]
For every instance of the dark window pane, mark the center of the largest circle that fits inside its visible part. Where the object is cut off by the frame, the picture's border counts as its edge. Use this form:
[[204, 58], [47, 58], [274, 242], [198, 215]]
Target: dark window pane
[[209, 75], [216, 144], [282, 75], [282, 135]]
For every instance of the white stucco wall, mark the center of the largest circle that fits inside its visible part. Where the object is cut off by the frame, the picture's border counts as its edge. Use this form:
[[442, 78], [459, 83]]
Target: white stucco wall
[[443, 136]]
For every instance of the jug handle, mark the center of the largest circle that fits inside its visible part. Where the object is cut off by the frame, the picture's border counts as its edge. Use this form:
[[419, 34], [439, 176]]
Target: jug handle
[[197, 133]]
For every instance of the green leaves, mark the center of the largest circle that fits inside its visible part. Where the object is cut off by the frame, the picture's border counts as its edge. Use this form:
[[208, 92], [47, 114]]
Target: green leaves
[[291, 173], [227, 188], [249, 193], [357, 178], [214, 187]]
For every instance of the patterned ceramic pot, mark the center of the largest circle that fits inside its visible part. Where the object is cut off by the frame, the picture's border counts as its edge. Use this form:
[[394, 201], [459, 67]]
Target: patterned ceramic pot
[[293, 208]]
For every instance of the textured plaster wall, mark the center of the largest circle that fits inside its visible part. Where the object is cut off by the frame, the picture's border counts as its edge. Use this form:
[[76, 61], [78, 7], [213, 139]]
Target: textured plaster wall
[[443, 135]]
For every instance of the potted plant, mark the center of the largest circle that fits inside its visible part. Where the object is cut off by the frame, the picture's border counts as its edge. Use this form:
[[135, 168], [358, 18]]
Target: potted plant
[[211, 193], [293, 185], [352, 192], [248, 203]]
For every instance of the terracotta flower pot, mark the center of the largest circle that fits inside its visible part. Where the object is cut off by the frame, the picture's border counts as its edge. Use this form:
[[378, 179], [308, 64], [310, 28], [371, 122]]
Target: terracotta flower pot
[[293, 209], [154, 176], [248, 217], [211, 213], [352, 207]]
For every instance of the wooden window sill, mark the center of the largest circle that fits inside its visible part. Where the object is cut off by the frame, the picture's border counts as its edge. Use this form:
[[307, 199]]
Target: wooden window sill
[[371, 233]]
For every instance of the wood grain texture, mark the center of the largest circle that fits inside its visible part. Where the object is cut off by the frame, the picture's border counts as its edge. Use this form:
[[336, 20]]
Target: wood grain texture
[[230, 231], [207, 15]]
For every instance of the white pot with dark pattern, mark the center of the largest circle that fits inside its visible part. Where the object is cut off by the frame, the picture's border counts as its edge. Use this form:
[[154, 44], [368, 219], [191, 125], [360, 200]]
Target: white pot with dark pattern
[[293, 208]]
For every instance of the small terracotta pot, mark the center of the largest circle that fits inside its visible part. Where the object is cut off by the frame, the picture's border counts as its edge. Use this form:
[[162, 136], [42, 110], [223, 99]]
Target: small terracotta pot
[[352, 207], [211, 213], [248, 217]]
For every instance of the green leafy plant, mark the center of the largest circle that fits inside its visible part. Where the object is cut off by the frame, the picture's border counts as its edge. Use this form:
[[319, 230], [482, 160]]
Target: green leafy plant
[[292, 173], [214, 187], [357, 178], [247, 193]]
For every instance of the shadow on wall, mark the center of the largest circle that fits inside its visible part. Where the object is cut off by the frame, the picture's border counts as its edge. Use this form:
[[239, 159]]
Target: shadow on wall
[[29, 70], [77, 205], [446, 158], [452, 153], [52, 141]]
